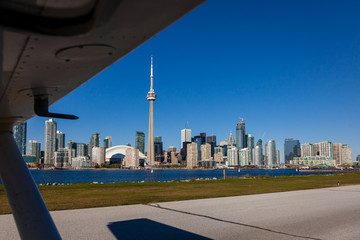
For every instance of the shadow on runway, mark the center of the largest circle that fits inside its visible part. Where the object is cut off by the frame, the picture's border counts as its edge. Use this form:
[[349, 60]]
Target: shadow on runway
[[144, 228]]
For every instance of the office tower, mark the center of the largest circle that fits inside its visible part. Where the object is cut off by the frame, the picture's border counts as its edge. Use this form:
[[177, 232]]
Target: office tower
[[184, 150], [307, 150], [258, 156], [72, 145], [277, 157], [205, 152], [338, 153], [259, 142], [347, 158], [108, 142], [218, 157], [20, 136], [140, 141], [326, 149], [358, 158], [131, 159], [173, 158], [98, 155], [171, 149], [244, 156], [191, 155], [151, 97], [50, 142], [82, 150], [185, 136], [250, 146], [233, 156], [94, 142], [270, 153], [291, 149], [62, 157], [240, 134], [34, 149], [158, 148], [60, 140], [198, 140], [230, 140], [212, 141]]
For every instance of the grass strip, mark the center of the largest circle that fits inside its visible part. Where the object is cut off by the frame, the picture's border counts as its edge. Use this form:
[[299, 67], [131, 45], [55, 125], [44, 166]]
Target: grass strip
[[87, 195]]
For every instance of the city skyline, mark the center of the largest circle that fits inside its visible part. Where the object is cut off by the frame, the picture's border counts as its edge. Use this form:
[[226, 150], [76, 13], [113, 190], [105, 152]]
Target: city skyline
[[286, 78]]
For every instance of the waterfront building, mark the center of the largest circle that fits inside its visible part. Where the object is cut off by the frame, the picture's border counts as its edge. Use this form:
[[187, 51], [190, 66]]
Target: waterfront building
[[50, 142], [250, 146], [278, 157], [199, 141], [219, 150], [317, 149], [316, 161], [158, 149], [259, 142], [30, 160], [326, 149], [184, 150], [347, 158], [174, 158], [108, 142], [307, 150], [132, 158], [230, 141], [140, 141], [240, 134], [63, 156], [171, 149], [151, 97], [192, 155], [338, 153], [82, 150], [34, 149], [258, 156], [72, 145], [218, 157], [291, 149], [358, 158], [98, 155], [212, 141], [60, 140], [185, 136], [80, 162], [270, 153], [20, 136], [205, 152], [244, 154], [94, 142], [116, 154], [233, 156]]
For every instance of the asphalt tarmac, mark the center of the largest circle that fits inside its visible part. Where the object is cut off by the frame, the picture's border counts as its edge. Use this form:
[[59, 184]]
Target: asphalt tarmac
[[328, 213]]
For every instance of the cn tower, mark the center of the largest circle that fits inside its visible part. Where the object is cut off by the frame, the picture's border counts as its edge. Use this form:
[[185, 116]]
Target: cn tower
[[151, 97]]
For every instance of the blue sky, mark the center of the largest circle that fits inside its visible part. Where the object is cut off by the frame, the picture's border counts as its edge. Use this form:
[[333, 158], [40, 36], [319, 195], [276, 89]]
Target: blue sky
[[290, 68]]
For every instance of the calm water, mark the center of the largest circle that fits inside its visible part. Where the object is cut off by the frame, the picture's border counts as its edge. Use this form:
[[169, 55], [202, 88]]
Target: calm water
[[117, 175]]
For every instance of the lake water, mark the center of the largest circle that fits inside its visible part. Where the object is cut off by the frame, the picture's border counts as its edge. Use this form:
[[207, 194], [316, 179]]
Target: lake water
[[119, 175]]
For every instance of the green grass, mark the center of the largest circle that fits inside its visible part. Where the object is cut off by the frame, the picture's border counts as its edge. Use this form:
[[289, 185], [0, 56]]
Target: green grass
[[100, 195]]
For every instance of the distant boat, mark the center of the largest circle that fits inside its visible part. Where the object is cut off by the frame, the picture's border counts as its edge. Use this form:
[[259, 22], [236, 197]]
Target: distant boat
[[152, 170], [297, 169], [239, 170]]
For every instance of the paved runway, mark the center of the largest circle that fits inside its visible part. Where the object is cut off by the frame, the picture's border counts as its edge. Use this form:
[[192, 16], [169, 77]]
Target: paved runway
[[329, 213]]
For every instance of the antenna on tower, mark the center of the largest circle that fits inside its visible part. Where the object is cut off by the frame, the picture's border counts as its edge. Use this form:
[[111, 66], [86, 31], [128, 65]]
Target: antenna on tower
[[242, 119], [263, 136]]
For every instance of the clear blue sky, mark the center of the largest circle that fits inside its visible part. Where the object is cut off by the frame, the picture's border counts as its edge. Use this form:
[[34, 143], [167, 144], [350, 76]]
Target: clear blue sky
[[290, 68]]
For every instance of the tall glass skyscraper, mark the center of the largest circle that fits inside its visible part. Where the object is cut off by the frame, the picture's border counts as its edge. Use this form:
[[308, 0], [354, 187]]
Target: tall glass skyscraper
[[198, 140], [240, 135], [20, 136], [270, 153], [108, 142], [140, 141], [212, 141], [185, 136], [50, 142], [291, 149], [94, 142], [60, 140], [34, 149]]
